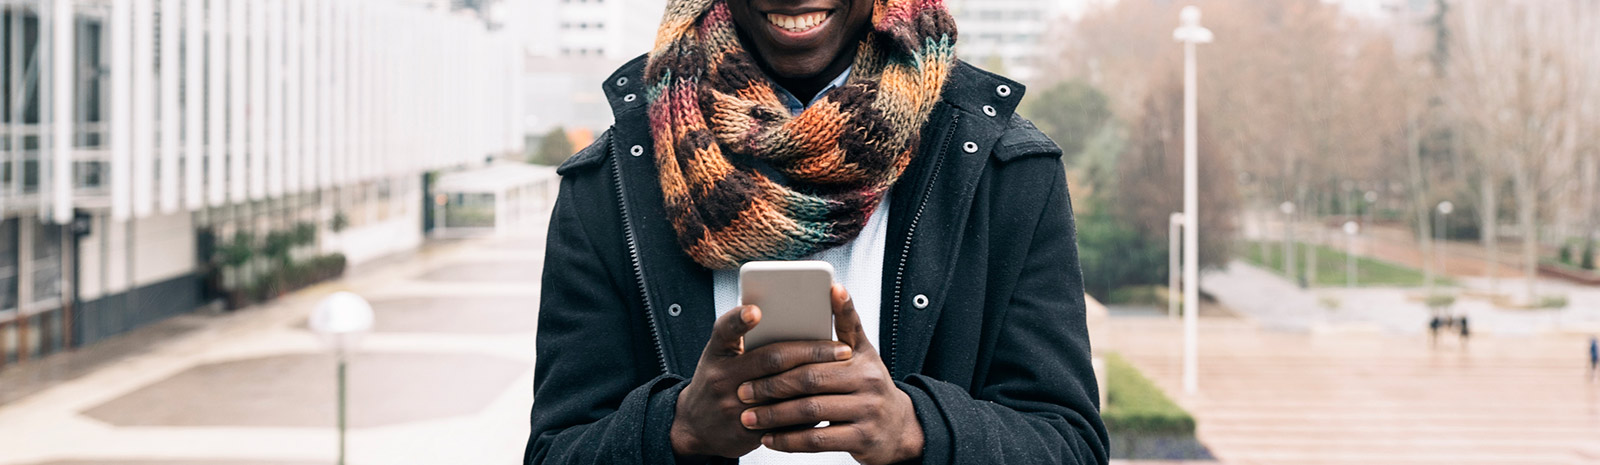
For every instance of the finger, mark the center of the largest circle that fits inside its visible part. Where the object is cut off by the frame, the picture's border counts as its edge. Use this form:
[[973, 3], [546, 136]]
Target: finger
[[804, 380], [846, 322], [805, 410], [834, 437], [779, 357], [727, 333]]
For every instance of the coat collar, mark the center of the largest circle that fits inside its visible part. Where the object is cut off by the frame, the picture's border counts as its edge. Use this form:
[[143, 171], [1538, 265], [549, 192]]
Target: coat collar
[[933, 199]]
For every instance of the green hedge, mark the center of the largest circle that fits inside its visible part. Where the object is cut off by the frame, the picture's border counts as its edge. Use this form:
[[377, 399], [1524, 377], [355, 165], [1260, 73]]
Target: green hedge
[[1135, 405]]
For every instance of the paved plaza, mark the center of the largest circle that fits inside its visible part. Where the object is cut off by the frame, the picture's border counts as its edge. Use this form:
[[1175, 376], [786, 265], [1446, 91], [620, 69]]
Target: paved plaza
[[445, 377], [1293, 397]]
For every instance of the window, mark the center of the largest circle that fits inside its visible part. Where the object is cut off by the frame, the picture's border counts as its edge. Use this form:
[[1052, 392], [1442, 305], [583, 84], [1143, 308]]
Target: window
[[8, 264]]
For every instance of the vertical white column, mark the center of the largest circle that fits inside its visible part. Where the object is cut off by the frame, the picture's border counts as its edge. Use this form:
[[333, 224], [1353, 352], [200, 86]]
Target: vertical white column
[[308, 94], [171, 117], [236, 100], [120, 41], [217, 103], [63, 58], [257, 168], [275, 97], [339, 98], [325, 96], [144, 108], [193, 111], [292, 98]]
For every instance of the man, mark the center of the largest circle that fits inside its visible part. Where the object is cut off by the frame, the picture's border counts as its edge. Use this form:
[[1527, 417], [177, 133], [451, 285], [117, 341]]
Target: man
[[1594, 358], [959, 305]]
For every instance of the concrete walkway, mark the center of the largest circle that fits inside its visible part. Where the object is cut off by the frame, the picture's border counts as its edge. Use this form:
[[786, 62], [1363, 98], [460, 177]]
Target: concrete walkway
[[1292, 398], [445, 378], [1276, 303]]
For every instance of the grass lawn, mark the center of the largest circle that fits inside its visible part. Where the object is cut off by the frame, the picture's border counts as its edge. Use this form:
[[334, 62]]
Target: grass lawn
[[1331, 266], [1135, 405]]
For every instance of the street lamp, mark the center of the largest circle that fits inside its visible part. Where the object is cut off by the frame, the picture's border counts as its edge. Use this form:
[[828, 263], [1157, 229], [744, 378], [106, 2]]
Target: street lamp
[[1287, 208], [1174, 224], [1350, 230], [1190, 33], [1445, 208], [341, 319]]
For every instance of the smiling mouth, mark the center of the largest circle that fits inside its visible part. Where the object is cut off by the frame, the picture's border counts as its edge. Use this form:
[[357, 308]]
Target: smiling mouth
[[798, 23]]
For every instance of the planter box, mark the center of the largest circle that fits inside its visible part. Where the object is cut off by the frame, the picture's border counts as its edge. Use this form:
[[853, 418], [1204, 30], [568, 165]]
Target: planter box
[[1576, 275], [1157, 446]]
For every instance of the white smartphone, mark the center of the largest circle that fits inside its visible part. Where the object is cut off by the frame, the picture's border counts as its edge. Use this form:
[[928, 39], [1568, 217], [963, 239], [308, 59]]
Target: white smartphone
[[795, 298]]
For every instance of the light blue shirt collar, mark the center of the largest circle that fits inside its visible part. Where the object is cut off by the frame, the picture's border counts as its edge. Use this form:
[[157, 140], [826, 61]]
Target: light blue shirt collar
[[794, 104]]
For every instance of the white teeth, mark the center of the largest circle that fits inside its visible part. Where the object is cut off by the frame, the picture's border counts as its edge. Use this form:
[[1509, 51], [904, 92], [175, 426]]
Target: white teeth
[[801, 23]]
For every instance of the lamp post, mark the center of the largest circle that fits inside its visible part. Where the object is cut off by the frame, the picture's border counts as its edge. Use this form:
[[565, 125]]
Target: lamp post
[[1350, 230], [1287, 208], [1190, 33], [341, 319], [1445, 208], [1174, 225]]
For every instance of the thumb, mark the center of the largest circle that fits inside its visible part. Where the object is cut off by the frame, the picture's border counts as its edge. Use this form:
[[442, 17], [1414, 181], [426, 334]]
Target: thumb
[[846, 322]]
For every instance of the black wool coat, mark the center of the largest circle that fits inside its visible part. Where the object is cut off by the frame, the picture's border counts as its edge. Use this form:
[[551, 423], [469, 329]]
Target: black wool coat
[[982, 321]]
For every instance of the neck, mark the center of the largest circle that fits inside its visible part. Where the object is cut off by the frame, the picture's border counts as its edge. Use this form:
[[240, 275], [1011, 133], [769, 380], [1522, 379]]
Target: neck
[[805, 88]]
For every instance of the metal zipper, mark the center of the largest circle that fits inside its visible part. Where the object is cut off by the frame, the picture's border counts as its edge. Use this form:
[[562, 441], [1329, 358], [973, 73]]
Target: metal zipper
[[633, 255], [905, 249]]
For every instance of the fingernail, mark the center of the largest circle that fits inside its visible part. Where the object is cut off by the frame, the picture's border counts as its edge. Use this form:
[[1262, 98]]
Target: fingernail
[[747, 394], [841, 352], [766, 440], [748, 314], [748, 418]]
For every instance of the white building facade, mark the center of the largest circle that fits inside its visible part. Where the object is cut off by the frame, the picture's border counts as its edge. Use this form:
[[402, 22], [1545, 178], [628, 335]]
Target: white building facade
[[138, 133], [1010, 33]]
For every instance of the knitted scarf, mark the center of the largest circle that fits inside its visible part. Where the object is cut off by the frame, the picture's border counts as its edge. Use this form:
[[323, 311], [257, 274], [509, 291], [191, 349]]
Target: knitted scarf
[[715, 116]]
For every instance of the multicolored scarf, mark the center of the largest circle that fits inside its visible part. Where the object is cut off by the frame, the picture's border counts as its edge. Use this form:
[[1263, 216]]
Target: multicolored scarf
[[715, 115]]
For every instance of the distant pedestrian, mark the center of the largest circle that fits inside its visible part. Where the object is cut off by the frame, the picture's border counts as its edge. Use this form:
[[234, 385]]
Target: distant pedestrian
[[1465, 333], [1594, 358]]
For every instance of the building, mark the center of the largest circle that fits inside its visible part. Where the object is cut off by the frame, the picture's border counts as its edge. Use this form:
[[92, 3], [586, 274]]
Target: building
[[137, 135], [1008, 36]]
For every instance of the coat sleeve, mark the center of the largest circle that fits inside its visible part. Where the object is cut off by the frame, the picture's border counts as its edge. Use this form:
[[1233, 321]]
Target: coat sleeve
[[1039, 401], [596, 400]]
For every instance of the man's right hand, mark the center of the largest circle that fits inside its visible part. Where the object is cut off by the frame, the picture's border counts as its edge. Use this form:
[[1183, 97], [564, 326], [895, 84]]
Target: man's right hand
[[706, 422]]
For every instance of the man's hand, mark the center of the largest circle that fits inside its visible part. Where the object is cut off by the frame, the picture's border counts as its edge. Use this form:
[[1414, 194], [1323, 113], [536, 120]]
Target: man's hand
[[707, 416], [868, 416]]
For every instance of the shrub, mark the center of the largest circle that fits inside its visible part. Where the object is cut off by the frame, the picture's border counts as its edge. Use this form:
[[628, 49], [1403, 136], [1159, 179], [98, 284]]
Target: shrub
[[304, 233], [1135, 405], [1440, 300], [1552, 301], [1588, 256], [1566, 254]]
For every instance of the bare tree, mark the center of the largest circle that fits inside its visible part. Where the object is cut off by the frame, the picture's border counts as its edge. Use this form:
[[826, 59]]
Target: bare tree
[[1522, 87]]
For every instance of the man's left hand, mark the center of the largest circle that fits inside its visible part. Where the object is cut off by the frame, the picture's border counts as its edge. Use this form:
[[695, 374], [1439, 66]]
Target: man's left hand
[[867, 415]]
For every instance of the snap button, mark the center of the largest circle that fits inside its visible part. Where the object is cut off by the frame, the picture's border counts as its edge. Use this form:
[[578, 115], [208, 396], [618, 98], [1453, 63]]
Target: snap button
[[1003, 90], [622, 81], [675, 310], [989, 110], [637, 150], [629, 98], [970, 147], [920, 301]]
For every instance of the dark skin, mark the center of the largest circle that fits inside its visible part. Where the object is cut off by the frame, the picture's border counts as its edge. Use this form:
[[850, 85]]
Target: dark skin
[[803, 63], [775, 395]]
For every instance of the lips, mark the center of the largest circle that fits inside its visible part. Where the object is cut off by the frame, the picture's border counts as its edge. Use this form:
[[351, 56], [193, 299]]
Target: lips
[[800, 23]]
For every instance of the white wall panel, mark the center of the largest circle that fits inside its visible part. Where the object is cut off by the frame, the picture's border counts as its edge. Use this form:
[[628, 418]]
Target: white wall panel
[[257, 168], [144, 107], [292, 95], [273, 165], [237, 104], [171, 116], [63, 58], [217, 103], [193, 102], [120, 41]]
